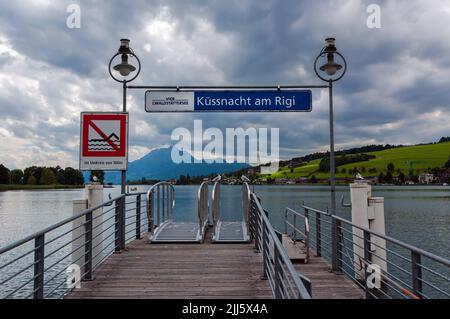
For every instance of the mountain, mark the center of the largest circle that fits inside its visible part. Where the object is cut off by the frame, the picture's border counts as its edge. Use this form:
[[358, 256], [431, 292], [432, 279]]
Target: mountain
[[158, 164]]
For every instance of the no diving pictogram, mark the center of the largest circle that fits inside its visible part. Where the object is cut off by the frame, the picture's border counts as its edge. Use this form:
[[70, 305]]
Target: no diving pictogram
[[103, 140]]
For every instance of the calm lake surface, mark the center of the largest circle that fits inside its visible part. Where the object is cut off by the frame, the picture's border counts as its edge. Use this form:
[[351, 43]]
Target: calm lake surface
[[418, 215]]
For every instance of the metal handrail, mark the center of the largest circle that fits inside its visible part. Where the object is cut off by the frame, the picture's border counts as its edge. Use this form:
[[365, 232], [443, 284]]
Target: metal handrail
[[278, 269], [354, 258], [293, 226], [425, 253], [51, 257], [215, 202], [246, 201], [203, 206], [55, 226], [164, 204]]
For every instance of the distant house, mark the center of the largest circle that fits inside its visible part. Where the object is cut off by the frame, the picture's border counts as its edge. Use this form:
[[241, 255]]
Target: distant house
[[426, 178], [281, 180], [303, 180], [253, 170]]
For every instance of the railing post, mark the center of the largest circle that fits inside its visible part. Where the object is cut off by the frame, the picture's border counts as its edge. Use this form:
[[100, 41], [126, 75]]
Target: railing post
[[318, 236], [120, 224], [257, 222], [416, 273], [276, 273], [264, 252], [295, 229], [158, 216], [367, 259], [88, 247], [334, 245], [138, 216], [285, 221], [164, 217], [150, 212], [39, 244]]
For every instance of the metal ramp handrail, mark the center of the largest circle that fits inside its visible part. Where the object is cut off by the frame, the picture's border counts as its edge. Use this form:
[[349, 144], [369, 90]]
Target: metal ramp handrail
[[230, 231], [284, 280], [162, 195], [203, 206], [215, 199]]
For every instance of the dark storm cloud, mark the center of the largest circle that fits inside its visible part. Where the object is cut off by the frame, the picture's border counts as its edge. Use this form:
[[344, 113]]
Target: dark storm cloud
[[397, 77]]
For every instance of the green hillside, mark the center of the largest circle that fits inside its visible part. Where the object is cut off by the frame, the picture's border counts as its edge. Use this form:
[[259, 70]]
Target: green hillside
[[423, 157]]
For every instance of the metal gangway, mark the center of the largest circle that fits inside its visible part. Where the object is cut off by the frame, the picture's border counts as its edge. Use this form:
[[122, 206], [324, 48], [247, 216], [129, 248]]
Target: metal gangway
[[230, 231], [163, 226]]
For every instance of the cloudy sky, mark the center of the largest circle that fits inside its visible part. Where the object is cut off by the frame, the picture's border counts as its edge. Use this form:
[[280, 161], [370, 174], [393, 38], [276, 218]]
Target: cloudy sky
[[396, 90]]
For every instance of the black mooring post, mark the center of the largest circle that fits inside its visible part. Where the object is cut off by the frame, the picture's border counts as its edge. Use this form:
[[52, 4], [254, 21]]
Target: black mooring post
[[88, 247], [416, 273], [39, 255], [318, 236], [138, 216]]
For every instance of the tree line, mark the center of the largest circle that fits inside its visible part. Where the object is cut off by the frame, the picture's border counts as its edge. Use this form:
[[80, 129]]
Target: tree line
[[41, 175]]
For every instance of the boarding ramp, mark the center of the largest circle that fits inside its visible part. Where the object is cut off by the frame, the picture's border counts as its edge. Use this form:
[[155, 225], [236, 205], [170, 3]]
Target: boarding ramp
[[230, 231], [163, 227]]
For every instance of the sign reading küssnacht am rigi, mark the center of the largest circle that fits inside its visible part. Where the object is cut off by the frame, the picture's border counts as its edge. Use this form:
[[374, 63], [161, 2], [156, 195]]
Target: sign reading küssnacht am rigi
[[234, 101]]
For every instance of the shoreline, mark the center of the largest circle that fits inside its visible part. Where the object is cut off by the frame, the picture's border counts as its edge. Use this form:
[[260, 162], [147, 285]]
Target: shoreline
[[19, 187]]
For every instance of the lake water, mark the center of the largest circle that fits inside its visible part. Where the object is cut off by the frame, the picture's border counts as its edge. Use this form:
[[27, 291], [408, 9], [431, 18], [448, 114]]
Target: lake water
[[417, 215]]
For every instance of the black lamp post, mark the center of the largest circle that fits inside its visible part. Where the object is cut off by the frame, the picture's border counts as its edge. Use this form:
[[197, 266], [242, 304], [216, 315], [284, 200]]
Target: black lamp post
[[124, 69], [330, 68]]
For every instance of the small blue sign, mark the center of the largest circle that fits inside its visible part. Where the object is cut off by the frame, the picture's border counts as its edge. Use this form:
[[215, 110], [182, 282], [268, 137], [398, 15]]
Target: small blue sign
[[249, 101], [229, 101]]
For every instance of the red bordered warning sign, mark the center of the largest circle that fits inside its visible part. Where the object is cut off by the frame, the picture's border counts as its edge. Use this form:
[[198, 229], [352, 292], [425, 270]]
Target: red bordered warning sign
[[104, 141]]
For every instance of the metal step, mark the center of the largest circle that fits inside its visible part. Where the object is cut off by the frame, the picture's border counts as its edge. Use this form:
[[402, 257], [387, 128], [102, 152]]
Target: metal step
[[231, 232]]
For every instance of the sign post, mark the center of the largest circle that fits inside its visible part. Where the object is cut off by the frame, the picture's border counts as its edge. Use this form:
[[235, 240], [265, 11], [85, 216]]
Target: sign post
[[104, 141]]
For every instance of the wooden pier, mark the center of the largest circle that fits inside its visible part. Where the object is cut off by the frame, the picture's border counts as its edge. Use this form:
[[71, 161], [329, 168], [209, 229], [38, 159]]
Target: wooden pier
[[197, 271]]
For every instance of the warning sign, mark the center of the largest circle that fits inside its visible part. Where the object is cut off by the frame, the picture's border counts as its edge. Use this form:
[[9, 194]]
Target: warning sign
[[104, 141]]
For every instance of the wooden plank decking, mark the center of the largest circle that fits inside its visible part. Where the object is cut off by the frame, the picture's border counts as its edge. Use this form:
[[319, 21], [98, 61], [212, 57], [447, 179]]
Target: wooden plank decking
[[180, 271], [325, 284], [196, 271]]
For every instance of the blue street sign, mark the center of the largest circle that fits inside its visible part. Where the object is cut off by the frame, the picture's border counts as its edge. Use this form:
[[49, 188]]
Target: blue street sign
[[233, 101]]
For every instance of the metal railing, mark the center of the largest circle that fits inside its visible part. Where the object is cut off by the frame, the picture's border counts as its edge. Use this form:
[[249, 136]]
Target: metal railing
[[283, 278], [246, 201], [36, 266], [215, 203], [203, 207], [160, 204], [292, 222], [384, 267]]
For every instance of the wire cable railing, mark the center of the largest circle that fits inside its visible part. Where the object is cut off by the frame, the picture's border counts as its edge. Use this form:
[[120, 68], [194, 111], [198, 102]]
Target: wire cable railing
[[283, 278], [384, 267], [37, 266]]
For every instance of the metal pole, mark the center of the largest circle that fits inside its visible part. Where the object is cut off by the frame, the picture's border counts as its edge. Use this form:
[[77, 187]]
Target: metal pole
[[124, 172], [39, 255], [334, 230]]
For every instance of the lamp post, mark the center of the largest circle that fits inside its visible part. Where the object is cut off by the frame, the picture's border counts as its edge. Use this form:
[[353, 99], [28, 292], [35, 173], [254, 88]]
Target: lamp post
[[330, 68], [124, 69]]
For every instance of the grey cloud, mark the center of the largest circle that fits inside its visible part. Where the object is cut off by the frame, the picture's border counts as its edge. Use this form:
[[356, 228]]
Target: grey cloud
[[234, 42]]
